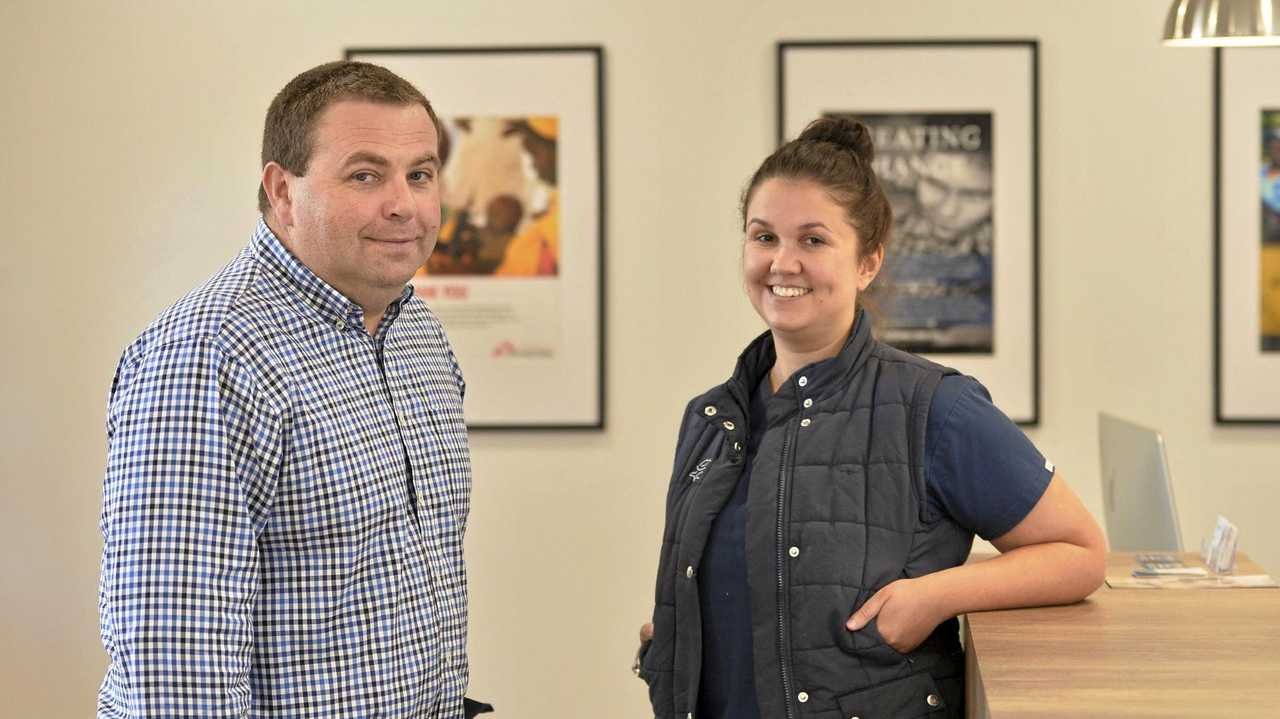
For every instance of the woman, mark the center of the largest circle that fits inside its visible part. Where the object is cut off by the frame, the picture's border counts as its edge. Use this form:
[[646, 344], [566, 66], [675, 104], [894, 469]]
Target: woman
[[825, 498]]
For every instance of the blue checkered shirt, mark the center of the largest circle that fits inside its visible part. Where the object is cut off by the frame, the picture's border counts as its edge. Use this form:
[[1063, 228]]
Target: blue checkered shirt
[[284, 506]]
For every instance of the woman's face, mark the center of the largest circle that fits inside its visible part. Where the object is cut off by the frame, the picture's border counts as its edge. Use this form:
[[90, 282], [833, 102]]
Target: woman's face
[[800, 262]]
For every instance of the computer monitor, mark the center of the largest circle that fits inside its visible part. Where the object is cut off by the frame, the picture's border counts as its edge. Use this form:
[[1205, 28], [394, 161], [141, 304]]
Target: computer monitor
[[1137, 493]]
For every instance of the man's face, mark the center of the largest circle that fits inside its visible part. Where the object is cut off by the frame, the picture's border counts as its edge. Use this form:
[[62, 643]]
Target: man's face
[[543, 153], [955, 193], [366, 214]]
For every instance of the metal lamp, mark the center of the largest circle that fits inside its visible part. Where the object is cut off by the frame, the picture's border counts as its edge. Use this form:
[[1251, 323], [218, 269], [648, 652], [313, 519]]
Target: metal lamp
[[1222, 23]]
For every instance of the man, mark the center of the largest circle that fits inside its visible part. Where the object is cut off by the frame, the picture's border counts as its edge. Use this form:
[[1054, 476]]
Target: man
[[288, 477]]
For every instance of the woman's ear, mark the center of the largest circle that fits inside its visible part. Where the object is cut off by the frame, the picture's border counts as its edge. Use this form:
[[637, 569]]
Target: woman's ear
[[869, 266]]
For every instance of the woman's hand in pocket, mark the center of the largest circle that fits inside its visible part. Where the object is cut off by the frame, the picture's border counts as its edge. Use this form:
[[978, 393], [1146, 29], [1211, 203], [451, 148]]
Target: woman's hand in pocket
[[905, 614], [646, 636]]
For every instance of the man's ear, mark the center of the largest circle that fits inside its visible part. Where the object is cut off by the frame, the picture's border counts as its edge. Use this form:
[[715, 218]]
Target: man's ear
[[278, 184], [869, 267]]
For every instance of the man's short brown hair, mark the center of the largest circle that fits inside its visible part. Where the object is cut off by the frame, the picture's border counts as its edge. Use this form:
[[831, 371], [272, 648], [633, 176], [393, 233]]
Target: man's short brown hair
[[286, 136]]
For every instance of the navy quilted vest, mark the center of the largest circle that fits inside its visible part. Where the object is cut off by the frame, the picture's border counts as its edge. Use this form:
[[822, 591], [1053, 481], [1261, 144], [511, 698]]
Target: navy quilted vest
[[835, 511]]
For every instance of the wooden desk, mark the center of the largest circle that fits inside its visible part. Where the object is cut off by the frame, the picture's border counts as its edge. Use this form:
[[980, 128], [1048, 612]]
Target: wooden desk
[[1130, 653]]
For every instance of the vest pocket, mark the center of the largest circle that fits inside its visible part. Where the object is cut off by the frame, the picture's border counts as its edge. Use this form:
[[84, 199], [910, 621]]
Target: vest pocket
[[868, 645], [873, 628], [913, 696]]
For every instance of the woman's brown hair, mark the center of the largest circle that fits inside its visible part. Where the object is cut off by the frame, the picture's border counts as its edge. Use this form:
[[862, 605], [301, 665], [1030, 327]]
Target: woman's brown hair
[[834, 153]]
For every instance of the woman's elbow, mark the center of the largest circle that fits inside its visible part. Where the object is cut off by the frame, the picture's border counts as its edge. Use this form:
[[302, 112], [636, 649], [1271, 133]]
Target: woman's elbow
[[1092, 567]]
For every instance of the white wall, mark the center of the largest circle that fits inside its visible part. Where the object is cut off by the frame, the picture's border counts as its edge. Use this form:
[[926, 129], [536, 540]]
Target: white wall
[[129, 140]]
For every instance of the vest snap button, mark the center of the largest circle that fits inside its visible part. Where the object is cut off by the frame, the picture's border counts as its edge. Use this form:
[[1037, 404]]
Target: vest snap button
[[802, 382], [808, 402], [933, 700], [794, 551], [729, 425], [689, 572], [802, 697], [805, 422], [709, 411]]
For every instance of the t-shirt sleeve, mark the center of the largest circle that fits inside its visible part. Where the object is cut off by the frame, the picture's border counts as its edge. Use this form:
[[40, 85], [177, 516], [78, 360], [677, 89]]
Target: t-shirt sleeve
[[980, 469]]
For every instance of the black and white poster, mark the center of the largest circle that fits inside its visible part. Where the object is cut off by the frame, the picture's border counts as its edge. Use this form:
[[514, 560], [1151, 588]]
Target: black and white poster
[[935, 291], [955, 124]]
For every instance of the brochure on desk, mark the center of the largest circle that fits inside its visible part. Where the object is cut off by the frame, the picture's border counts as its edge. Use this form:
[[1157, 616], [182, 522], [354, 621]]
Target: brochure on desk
[[1228, 581]]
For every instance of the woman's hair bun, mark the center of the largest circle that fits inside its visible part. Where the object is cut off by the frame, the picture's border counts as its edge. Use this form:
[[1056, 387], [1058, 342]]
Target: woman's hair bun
[[849, 134]]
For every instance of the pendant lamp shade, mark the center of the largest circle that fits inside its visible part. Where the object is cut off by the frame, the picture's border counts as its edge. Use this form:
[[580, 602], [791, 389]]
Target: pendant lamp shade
[[1222, 23]]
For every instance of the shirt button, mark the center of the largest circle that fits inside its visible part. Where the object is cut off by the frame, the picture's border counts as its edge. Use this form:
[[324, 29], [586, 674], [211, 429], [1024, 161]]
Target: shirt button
[[794, 551], [802, 382], [808, 403], [805, 422], [340, 325], [689, 572], [709, 411], [729, 425], [802, 697], [933, 700]]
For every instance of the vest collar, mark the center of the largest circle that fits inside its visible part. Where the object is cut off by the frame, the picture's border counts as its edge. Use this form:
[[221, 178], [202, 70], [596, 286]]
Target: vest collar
[[818, 378]]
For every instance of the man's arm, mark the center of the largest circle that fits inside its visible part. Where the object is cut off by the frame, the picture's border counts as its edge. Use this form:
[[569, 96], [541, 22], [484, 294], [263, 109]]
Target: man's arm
[[179, 561]]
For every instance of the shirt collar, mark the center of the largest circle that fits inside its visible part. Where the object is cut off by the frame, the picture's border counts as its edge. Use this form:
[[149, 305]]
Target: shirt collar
[[332, 306]]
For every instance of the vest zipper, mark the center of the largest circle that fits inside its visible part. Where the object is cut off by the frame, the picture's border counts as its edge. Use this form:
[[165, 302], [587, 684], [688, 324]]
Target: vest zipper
[[784, 657]]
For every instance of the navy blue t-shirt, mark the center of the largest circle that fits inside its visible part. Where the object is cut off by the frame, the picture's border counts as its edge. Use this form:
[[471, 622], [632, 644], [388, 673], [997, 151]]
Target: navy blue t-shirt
[[980, 470], [727, 687]]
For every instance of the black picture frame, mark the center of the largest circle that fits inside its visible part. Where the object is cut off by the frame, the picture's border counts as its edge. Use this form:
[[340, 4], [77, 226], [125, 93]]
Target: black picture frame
[[508, 392], [1245, 390], [858, 79]]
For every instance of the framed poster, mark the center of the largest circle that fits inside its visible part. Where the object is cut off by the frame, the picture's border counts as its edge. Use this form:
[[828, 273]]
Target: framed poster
[[517, 274], [1246, 273], [956, 130]]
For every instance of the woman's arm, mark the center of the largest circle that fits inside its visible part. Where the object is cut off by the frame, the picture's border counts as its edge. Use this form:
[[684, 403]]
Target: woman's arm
[[1055, 555]]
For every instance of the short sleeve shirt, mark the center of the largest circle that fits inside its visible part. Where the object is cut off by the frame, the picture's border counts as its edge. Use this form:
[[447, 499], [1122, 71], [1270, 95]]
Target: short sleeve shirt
[[980, 469]]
